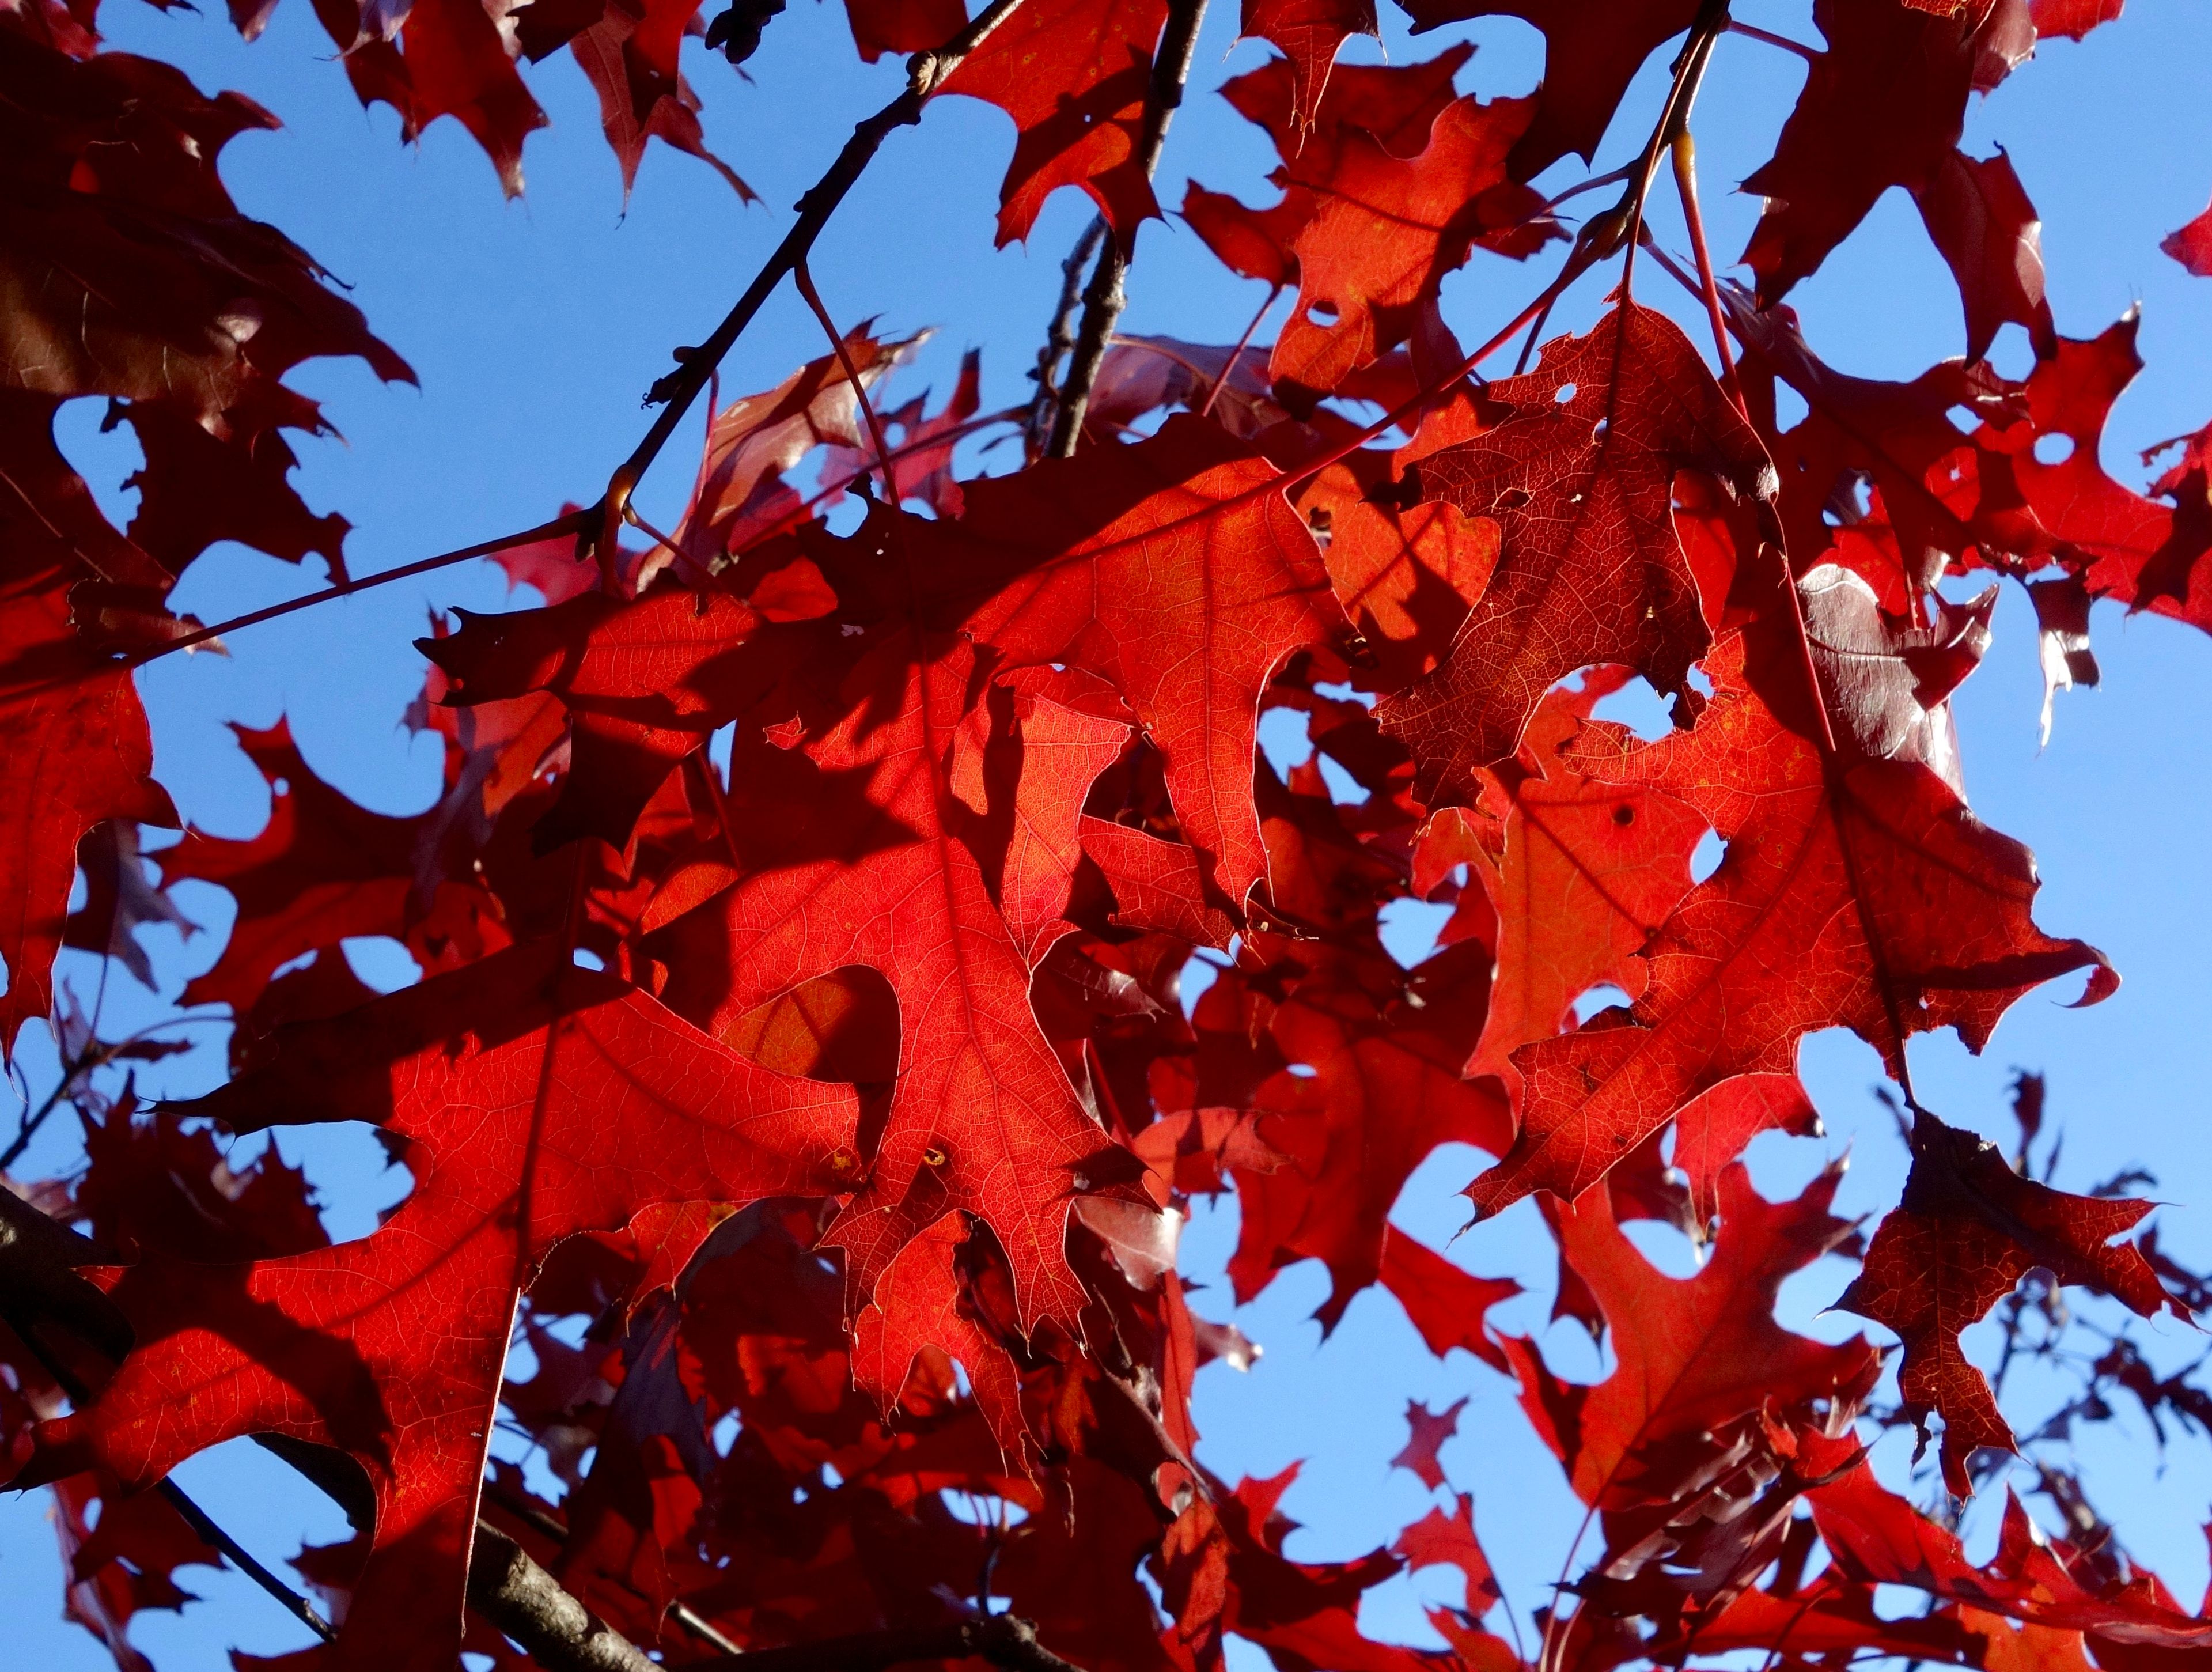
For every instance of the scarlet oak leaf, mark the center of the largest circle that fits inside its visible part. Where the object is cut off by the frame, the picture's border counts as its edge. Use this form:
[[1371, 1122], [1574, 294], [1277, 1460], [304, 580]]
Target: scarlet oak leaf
[[1431, 1429], [1383, 1091], [78, 752], [1307, 33], [1073, 78], [982, 1116], [902, 26], [323, 869], [1446, 1304], [1588, 871], [644, 685], [1883, 105], [1578, 475], [1857, 892], [1387, 228], [1968, 1229], [1875, 1536], [1394, 107], [2192, 245], [1175, 570], [1979, 217], [448, 58], [538, 1100], [1591, 54], [629, 56], [2071, 19], [1692, 1354], [1437, 1540]]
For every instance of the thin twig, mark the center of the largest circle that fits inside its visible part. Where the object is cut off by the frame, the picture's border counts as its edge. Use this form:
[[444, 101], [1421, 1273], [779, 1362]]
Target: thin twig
[[571, 523], [999, 1639], [927, 74], [37, 1281], [1061, 338], [1773, 40], [1104, 298], [1681, 94]]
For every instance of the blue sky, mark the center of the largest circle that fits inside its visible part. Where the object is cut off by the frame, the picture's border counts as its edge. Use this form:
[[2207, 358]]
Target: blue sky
[[536, 325]]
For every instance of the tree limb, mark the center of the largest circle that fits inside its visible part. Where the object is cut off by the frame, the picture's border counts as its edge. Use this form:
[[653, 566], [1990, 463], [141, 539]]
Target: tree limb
[[927, 74], [1104, 299], [529, 1605]]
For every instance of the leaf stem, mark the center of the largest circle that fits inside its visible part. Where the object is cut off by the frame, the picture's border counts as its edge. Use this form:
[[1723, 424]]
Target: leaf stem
[[1229, 369], [1105, 297], [804, 280], [927, 74], [1685, 150]]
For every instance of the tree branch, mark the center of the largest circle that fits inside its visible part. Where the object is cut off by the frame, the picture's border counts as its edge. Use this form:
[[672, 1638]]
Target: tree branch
[[530, 1606], [927, 74], [1104, 299], [1061, 338], [1000, 1638]]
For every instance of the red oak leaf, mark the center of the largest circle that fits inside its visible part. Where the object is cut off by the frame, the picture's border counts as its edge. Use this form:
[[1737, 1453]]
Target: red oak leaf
[[740, 496], [585, 1102], [1692, 1354], [1883, 105], [1430, 1430], [1590, 56], [1307, 33], [119, 900], [645, 685], [924, 1303], [1876, 1537], [1832, 1616], [1445, 1304], [1069, 735], [1968, 1229], [323, 869], [1577, 471], [2123, 545], [1073, 78], [1858, 892], [922, 443]]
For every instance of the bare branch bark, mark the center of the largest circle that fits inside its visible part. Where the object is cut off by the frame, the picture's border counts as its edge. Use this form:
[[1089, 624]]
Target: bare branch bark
[[1061, 338], [1105, 297], [529, 1605]]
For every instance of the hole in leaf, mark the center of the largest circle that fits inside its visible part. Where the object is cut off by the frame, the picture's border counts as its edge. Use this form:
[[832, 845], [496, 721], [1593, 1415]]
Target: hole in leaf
[[1597, 999], [1324, 315], [1565, 393], [1705, 858], [2053, 449]]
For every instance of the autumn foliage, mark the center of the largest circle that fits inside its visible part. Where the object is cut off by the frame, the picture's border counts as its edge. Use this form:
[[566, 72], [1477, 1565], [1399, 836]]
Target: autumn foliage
[[809, 920]]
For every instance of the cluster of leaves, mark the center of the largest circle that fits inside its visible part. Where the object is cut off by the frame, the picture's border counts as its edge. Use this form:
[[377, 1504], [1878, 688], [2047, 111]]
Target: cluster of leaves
[[843, 1088]]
